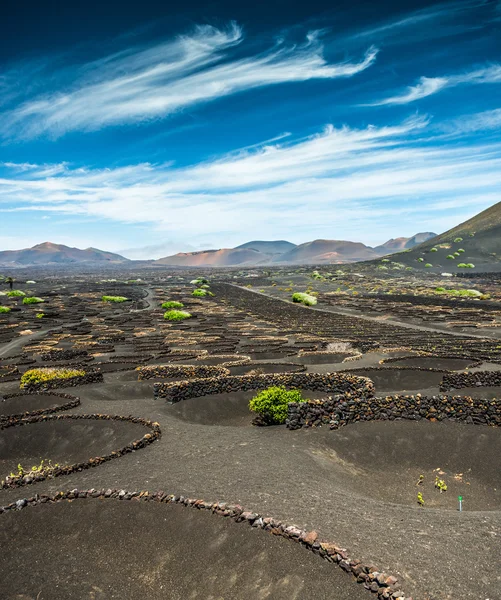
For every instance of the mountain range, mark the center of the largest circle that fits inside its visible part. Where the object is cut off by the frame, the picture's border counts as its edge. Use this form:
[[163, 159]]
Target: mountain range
[[57, 254], [281, 252]]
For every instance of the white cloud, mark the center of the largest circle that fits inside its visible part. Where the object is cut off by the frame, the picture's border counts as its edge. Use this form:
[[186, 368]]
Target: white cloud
[[147, 84], [342, 182], [428, 86], [482, 121]]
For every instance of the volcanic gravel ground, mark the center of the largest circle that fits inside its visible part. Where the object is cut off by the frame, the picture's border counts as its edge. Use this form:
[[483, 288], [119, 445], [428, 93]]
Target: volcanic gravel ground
[[65, 442], [104, 549], [354, 486]]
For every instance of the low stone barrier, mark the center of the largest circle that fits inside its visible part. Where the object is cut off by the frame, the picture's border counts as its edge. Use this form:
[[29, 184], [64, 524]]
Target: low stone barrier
[[52, 384], [69, 403], [184, 371], [337, 383], [56, 471], [59, 354], [456, 381], [338, 411], [382, 584]]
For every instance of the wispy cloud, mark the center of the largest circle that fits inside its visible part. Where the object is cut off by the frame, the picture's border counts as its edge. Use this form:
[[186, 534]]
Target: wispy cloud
[[345, 179], [431, 85], [140, 85], [482, 121]]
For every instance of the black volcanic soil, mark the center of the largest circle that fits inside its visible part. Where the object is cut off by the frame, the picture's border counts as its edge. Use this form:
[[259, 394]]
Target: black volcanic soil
[[432, 362], [22, 403], [387, 379], [103, 549], [384, 460], [64, 442], [354, 486]]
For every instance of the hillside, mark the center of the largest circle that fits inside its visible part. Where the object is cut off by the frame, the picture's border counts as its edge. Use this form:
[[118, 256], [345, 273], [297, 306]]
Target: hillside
[[403, 243], [327, 251], [57, 254], [271, 248], [226, 257], [477, 241]]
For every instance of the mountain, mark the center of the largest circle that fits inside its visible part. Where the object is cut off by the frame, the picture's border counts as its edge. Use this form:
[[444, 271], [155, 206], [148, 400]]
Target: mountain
[[271, 248], [326, 251], [477, 241], [403, 243], [57, 254], [226, 257]]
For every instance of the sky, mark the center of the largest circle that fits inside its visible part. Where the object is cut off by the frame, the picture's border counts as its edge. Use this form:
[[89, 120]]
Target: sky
[[156, 127]]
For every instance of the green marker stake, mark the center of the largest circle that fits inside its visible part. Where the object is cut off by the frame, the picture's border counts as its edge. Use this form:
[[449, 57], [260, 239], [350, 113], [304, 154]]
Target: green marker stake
[[460, 498]]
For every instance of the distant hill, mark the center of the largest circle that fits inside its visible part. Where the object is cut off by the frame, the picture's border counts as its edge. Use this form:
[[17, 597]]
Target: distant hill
[[57, 254], [477, 241], [226, 257], [404, 243], [272, 248], [326, 251], [281, 252]]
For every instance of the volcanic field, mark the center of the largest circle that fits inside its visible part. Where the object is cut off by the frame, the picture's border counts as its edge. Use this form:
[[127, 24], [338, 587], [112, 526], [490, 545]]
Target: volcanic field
[[142, 473]]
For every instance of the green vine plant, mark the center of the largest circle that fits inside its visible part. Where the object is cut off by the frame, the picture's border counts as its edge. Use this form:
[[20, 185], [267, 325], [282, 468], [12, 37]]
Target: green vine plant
[[440, 484], [420, 499], [44, 468]]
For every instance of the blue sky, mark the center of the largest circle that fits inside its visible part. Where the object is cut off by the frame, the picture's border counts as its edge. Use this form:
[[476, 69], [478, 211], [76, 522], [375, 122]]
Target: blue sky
[[165, 128]]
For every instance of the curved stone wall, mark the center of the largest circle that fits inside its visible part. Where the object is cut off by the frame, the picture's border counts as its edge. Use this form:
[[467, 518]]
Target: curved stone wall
[[378, 582], [456, 381], [184, 371], [337, 411], [57, 471], [336, 383]]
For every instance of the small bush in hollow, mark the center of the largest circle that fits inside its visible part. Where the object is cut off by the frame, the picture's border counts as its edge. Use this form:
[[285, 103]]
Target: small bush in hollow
[[32, 300], [114, 299], [272, 404], [176, 315], [4, 309], [16, 294], [172, 304], [306, 299]]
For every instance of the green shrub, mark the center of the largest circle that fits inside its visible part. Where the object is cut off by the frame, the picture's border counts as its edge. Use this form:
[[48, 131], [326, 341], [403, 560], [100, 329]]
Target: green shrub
[[16, 294], [385, 260], [48, 374], [450, 256], [200, 293], [457, 240], [32, 300], [462, 266], [40, 315], [172, 304], [4, 309], [199, 281], [176, 315], [434, 250], [470, 266], [272, 404], [114, 299], [303, 298], [428, 265], [460, 251], [420, 259]]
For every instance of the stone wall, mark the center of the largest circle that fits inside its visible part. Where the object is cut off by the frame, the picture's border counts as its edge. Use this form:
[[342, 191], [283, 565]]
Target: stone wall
[[456, 381], [68, 402], [338, 411], [334, 383], [382, 584], [56, 471], [182, 371]]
